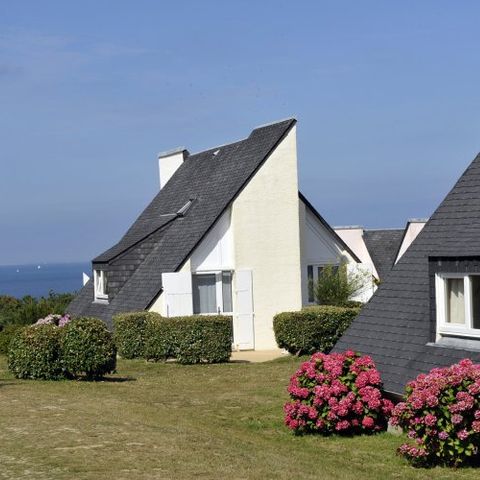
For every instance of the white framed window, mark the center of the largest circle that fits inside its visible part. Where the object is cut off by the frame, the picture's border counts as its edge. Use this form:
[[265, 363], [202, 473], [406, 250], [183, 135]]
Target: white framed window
[[212, 292], [458, 304], [100, 282]]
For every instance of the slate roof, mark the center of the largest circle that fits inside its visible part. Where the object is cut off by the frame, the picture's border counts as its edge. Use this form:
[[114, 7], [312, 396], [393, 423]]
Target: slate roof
[[159, 242], [383, 246], [396, 327]]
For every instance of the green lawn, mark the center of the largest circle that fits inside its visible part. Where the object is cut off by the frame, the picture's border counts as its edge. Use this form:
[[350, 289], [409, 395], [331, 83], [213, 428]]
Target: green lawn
[[167, 421]]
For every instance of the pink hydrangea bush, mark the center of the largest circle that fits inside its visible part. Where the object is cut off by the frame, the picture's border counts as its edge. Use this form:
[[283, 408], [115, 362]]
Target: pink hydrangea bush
[[54, 319], [337, 393], [441, 415]]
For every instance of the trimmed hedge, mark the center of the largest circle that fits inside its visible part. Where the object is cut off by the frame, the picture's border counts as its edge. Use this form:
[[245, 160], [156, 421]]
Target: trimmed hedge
[[35, 353], [6, 336], [129, 333], [88, 348], [190, 340], [314, 329]]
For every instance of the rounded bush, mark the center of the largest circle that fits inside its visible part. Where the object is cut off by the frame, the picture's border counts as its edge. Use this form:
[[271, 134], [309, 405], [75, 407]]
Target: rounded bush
[[314, 329], [441, 414], [337, 393], [88, 348], [130, 333], [34, 352]]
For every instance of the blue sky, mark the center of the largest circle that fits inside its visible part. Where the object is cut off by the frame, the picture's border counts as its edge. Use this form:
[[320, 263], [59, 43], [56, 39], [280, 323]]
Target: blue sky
[[386, 95]]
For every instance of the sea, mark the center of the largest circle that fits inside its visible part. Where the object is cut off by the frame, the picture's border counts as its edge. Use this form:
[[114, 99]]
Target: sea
[[39, 279]]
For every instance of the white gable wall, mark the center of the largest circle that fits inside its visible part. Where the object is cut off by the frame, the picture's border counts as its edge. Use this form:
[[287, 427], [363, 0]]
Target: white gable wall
[[319, 246], [353, 237], [414, 227], [215, 252], [265, 221]]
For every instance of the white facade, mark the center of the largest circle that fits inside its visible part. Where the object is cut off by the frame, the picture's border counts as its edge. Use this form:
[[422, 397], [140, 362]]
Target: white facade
[[353, 237], [254, 260], [413, 228]]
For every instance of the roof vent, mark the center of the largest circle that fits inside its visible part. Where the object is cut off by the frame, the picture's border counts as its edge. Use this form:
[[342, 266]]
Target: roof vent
[[182, 212]]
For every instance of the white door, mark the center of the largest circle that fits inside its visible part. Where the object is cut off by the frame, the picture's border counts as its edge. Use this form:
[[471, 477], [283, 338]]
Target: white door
[[177, 288], [243, 334]]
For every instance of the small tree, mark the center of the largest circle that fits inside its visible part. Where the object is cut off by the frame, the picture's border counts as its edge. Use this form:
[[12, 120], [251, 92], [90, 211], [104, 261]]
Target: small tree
[[335, 286]]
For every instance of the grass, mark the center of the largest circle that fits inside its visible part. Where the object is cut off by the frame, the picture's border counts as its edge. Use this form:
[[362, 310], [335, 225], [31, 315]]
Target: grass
[[167, 421]]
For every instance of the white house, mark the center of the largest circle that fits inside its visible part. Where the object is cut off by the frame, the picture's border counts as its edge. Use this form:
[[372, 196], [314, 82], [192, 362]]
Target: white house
[[380, 249], [229, 232]]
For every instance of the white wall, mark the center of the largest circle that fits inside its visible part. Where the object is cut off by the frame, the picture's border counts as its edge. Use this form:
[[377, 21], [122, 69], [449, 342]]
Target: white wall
[[318, 246], [169, 162], [353, 237], [215, 252], [414, 227], [265, 220]]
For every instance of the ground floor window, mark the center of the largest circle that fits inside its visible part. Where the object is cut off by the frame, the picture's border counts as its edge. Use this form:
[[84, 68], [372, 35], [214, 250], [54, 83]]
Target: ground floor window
[[458, 304], [212, 292]]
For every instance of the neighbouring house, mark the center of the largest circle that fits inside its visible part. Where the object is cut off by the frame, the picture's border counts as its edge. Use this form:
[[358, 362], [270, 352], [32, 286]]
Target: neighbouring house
[[380, 249], [426, 312], [229, 232]]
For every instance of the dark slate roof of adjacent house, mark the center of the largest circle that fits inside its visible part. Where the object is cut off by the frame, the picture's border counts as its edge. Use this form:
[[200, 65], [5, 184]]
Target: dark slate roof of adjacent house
[[383, 245], [212, 179], [395, 327]]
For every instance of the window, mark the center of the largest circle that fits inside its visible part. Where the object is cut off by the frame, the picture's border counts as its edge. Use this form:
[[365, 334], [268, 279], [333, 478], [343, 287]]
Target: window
[[314, 272], [458, 304], [212, 292], [101, 286]]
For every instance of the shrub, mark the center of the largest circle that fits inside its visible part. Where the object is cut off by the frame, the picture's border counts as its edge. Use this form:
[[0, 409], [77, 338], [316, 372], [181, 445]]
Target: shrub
[[6, 336], [129, 333], [335, 285], [337, 393], [441, 413], [203, 339], [161, 339], [35, 353], [315, 329], [88, 348], [193, 339]]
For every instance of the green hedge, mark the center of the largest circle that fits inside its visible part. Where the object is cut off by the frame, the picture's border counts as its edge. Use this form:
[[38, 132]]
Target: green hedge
[[193, 339], [129, 333], [314, 329], [88, 348], [6, 336], [35, 353], [83, 346]]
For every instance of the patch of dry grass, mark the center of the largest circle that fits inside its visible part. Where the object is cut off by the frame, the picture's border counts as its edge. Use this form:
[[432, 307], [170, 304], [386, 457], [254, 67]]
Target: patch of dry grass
[[167, 421]]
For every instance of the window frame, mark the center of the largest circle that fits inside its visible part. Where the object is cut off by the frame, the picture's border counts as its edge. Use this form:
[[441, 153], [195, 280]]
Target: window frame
[[218, 290], [444, 327], [102, 293]]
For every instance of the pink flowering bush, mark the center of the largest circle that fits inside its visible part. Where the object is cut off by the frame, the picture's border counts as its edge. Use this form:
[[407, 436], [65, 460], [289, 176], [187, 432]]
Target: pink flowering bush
[[441, 414], [54, 319], [337, 393]]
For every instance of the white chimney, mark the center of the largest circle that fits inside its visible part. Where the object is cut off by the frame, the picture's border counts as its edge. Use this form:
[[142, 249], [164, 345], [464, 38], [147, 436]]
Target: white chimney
[[168, 162]]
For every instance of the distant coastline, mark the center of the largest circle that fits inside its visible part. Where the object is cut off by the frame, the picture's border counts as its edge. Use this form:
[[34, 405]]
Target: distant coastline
[[39, 279]]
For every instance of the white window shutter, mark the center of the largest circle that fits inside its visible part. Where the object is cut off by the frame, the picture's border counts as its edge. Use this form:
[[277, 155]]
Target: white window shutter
[[243, 326], [177, 288]]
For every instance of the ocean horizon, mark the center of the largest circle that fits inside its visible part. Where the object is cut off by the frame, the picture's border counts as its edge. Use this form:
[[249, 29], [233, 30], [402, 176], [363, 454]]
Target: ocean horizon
[[39, 279]]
